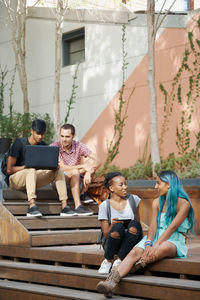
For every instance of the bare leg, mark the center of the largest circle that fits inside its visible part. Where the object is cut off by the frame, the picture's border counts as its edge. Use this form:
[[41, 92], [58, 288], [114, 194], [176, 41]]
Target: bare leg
[[166, 249], [73, 177], [126, 265]]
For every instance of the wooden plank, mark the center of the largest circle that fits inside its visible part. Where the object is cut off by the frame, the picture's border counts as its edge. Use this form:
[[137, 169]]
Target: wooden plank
[[49, 193], [12, 232], [44, 193], [53, 222], [193, 192], [143, 193], [93, 255], [87, 279], [20, 208], [30, 291], [157, 291], [67, 237], [46, 207], [81, 254], [176, 266]]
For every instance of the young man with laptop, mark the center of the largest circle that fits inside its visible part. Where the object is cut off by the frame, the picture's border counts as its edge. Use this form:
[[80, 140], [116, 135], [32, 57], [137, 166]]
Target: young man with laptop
[[76, 160], [30, 177]]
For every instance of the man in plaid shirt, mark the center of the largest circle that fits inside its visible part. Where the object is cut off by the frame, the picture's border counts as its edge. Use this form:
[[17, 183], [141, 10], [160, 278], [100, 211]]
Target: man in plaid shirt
[[71, 154]]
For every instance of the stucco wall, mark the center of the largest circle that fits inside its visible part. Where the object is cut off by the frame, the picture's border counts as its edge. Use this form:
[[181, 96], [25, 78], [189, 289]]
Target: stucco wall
[[99, 77]]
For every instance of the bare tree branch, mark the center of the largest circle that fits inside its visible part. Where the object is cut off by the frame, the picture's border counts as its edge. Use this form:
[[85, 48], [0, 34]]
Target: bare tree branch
[[17, 14], [157, 25]]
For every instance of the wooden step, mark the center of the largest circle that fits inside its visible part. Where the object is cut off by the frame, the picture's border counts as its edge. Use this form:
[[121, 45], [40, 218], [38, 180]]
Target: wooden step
[[136, 286], [64, 237], [80, 255], [58, 222], [13, 232], [92, 255], [17, 204], [43, 193], [46, 231], [46, 207], [30, 291], [46, 192], [50, 193]]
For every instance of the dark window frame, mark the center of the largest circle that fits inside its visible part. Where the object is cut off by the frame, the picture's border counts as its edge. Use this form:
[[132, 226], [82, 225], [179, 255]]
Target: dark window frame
[[66, 39]]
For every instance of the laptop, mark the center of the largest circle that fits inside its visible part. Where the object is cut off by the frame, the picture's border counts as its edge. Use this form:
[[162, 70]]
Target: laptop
[[41, 157]]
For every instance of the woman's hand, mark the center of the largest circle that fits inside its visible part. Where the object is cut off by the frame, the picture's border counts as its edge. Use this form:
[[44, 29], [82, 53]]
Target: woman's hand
[[116, 220], [149, 254]]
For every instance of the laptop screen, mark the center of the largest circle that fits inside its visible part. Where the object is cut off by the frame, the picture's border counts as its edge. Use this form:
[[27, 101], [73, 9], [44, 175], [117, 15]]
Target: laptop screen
[[41, 157]]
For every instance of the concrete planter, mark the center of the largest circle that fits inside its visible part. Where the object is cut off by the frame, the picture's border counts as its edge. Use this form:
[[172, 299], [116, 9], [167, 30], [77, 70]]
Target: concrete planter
[[195, 182]]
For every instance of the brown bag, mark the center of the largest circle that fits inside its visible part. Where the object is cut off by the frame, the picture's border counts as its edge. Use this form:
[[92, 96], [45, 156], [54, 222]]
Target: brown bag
[[97, 191]]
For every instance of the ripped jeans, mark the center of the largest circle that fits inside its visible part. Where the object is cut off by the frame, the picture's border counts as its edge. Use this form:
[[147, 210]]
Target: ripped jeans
[[121, 240]]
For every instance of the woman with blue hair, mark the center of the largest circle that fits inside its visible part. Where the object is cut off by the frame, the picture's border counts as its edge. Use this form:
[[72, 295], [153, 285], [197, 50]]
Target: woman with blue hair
[[172, 218]]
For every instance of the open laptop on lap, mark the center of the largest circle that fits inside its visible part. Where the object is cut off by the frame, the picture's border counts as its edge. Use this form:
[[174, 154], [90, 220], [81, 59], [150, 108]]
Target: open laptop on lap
[[41, 157]]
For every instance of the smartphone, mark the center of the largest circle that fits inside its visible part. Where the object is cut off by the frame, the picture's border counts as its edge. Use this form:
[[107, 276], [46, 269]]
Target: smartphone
[[125, 221]]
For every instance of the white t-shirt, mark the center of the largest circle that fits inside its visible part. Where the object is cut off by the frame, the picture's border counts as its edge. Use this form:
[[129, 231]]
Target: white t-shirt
[[126, 213]]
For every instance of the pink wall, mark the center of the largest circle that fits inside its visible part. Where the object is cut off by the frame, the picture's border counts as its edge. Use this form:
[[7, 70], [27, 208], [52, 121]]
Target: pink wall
[[169, 51]]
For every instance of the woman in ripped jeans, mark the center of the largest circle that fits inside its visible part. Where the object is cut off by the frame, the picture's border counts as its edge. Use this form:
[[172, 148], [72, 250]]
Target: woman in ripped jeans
[[120, 222]]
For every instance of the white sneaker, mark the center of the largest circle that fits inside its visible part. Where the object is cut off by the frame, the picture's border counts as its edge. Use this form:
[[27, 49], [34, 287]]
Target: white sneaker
[[105, 267], [116, 263]]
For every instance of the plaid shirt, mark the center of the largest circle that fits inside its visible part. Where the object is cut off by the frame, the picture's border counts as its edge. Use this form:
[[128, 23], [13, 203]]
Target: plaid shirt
[[73, 157]]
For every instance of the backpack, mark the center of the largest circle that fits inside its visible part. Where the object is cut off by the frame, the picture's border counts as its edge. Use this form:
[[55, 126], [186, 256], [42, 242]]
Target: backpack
[[5, 162], [101, 239]]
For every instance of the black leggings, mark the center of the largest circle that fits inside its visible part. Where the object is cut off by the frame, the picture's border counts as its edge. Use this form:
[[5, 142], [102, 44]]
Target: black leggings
[[125, 241]]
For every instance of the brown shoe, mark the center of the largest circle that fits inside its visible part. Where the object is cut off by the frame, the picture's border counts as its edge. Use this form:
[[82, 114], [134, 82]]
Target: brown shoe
[[139, 265], [107, 287]]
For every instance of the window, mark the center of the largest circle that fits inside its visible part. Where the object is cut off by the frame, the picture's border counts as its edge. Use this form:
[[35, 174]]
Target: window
[[73, 47]]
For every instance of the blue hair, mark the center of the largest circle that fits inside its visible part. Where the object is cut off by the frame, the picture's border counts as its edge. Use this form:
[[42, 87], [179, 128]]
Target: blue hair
[[175, 191]]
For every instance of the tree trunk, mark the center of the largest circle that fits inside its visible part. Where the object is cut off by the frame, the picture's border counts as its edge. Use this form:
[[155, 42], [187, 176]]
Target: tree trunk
[[24, 83], [155, 155], [56, 97], [18, 16], [60, 11]]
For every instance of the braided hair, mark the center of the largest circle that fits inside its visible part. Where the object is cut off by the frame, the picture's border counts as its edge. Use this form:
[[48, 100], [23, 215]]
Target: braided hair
[[108, 178]]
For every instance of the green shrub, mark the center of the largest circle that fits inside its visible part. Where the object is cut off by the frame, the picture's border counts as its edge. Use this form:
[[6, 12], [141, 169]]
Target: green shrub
[[187, 166], [19, 125]]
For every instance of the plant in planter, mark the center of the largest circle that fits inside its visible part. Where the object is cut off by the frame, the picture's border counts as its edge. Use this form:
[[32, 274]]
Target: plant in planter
[[24, 122], [19, 125], [5, 121], [5, 138], [16, 124]]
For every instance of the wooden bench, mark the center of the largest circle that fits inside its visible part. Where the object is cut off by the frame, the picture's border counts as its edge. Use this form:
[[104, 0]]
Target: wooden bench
[[155, 287]]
